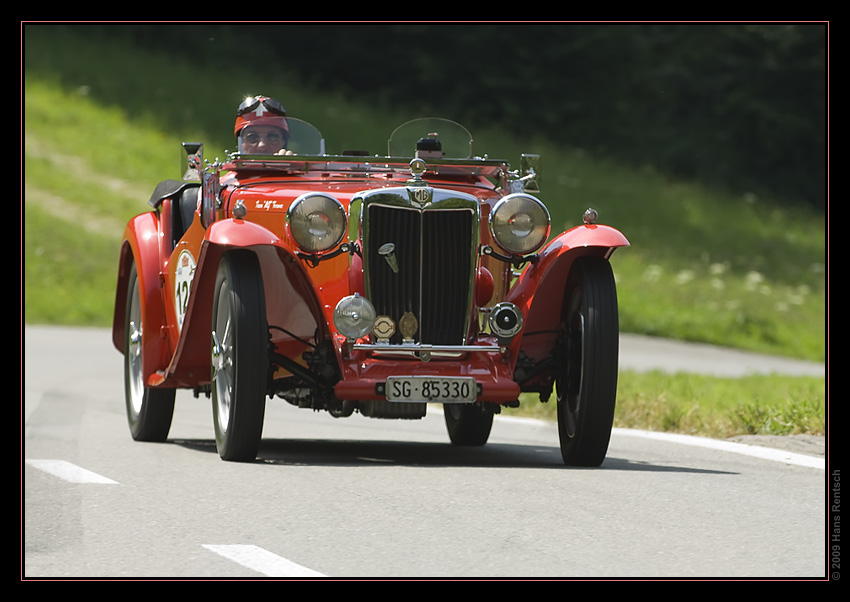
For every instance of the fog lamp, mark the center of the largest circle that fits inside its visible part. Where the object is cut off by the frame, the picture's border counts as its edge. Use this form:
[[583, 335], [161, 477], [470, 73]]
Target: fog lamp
[[354, 316]]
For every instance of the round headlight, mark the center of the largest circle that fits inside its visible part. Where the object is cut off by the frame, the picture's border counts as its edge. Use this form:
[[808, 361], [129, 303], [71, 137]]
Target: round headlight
[[519, 223], [316, 222], [354, 316]]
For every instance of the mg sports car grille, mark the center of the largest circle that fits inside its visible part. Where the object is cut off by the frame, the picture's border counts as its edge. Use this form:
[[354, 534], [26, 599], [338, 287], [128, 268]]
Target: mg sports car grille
[[429, 273]]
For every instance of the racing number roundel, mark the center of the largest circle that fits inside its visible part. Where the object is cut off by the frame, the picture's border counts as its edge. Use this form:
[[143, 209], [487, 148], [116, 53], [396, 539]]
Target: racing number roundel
[[182, 284]]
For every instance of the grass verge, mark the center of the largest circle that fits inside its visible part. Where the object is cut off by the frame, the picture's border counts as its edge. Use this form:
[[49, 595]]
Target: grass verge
[[709, 406]]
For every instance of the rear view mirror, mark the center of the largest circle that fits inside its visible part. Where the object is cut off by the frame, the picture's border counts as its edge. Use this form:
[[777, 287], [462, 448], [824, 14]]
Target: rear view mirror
[[194, 161], [530, 173]]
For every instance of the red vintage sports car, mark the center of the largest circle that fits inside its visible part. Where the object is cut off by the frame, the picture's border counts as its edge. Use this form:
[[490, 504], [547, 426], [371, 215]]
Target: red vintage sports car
[[371, 284]]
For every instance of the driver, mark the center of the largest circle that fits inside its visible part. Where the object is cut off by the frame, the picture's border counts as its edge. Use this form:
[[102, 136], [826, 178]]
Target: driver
[[261, 127]]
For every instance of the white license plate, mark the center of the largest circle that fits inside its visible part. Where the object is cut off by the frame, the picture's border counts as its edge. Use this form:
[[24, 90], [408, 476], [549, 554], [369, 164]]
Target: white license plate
[[433, 389]]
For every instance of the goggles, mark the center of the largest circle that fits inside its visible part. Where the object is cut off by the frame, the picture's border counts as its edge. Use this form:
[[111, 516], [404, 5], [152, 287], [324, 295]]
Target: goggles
[[252, 103]]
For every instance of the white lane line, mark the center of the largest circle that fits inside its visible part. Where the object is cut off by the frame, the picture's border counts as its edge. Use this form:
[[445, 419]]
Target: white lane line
[[70, 472], [262, 561], [754, 451], [765, 453]]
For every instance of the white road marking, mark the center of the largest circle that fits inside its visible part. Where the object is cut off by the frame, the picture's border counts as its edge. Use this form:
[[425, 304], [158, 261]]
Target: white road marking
[[765, 453], [262, 561], [755, 451], [70, 472]]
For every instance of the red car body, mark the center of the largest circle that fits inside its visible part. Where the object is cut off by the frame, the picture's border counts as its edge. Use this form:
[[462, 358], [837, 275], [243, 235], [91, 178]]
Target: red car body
[[420, 239]]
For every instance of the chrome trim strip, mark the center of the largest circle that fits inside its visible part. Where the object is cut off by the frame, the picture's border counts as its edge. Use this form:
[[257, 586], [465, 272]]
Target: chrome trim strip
[[417, 347]]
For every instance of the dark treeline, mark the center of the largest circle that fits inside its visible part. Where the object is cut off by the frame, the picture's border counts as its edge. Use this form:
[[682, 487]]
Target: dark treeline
[[741, 106]]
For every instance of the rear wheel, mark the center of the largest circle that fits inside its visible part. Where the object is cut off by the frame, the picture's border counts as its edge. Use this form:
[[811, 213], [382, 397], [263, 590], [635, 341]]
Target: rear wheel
[[589, 347], [240, 358], [467, 424], [149, 411]]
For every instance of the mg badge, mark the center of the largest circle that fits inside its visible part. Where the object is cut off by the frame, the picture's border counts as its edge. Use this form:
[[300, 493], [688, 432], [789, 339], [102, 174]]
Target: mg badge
[[422, 195]]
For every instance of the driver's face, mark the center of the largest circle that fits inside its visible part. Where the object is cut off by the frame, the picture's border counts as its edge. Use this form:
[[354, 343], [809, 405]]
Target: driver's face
[[261, 140]]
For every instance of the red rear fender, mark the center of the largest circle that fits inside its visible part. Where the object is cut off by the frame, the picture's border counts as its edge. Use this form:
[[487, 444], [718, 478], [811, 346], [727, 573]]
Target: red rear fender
[[141, 246]]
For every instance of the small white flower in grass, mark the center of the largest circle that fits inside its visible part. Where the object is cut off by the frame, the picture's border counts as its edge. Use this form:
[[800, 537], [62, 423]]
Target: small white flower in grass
[[753, 280], [716, 269], [652, 273], [684, 276]]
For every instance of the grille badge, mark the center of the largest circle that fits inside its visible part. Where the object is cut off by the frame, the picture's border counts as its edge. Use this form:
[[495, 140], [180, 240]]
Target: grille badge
[[408, 325], [384, 329], [421, 195]]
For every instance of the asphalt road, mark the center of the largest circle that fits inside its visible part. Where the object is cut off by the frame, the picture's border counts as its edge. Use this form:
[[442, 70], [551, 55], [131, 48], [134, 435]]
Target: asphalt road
[[357, 497], [648, 353]]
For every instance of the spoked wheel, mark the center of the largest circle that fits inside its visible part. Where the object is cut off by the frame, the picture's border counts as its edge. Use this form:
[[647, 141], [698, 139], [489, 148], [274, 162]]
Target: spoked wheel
[[587, 383], [149, 411], [467, 424], [240, 359]]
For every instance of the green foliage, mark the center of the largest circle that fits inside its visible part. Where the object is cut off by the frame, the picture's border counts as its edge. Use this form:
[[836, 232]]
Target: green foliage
[[721, 407], [708, 406], [69, 272], [737, 105]]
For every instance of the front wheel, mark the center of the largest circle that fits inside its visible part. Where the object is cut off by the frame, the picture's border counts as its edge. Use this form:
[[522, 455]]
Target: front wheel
[[587, 380], [149, 411], [240, 358]]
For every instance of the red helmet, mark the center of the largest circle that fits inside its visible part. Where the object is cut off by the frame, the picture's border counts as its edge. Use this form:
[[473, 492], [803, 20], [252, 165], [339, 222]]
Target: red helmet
[[260, 110]]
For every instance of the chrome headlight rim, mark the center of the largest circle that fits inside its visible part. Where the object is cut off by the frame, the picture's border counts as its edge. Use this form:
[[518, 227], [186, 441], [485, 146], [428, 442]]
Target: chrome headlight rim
[[509, 237], [306, 225]]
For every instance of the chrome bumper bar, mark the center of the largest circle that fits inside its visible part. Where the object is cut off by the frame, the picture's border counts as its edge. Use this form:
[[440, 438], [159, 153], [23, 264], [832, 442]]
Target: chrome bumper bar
[[425, 352]]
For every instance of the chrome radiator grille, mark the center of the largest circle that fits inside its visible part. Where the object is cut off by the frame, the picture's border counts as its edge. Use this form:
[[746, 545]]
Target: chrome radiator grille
[[433, 252]]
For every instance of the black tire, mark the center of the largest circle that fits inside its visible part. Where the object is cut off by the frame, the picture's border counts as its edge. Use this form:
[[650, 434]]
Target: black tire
[[149, 410], [240, 357], [467, 425], [589, 348]]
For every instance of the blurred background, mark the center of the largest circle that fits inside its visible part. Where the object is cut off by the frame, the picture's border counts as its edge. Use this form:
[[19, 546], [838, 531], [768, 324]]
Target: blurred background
[[735, 105], [706, 144]]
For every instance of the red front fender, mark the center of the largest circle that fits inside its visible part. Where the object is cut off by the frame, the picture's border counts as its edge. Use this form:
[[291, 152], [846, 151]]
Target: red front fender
[[539, 291], [190, 363], [290, 298], [239, 233]]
